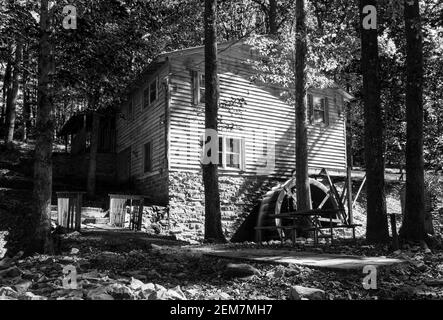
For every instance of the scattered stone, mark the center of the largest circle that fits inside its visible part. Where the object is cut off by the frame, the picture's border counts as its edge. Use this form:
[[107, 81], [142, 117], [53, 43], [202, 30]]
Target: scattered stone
[[22, 287], [240, 270], [176, 294], [8, 292], [99, 294], [74, 251], [10, 273], [299, 292], [120, 292]]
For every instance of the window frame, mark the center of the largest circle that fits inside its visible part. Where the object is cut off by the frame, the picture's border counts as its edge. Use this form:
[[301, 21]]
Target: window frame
[[147, 97], [313, 109], [225, 153]]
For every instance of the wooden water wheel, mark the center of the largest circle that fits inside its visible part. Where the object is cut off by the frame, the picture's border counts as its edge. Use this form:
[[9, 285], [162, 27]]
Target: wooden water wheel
[[282, 199]]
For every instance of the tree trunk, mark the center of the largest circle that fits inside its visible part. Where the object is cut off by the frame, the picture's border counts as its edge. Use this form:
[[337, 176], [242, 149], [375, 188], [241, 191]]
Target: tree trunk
[[6, 89], [273, 26], [11, 103], [91, 180], [302, 172], [413, 221], [26, 95], [377, 222], [213, 227], [43, 147]]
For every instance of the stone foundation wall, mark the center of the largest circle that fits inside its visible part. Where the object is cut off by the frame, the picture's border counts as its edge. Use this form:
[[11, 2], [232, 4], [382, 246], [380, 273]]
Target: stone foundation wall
[[238, 195]]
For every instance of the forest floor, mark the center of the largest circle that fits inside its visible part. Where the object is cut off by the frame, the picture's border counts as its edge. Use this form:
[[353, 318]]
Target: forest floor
[[124, 265]]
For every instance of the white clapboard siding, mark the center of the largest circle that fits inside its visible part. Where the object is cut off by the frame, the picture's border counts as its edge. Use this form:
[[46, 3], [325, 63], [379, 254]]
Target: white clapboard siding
[[147, 125], [264, 109]]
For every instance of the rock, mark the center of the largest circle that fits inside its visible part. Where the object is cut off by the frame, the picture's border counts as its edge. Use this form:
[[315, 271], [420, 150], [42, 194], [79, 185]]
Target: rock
[[120, 292], [99, 294], [299, 292], [136, 284], [176, 294], [74, 251], [10, 273], [23, 286], [220, 296], [159, 295], [9, 292], [240, 270]]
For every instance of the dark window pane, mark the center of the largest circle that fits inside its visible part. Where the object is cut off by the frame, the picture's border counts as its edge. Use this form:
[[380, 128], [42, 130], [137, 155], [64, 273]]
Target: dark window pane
[[202, 89]]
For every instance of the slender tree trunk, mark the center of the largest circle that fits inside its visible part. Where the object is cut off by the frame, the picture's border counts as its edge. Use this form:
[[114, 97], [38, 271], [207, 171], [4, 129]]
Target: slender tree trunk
[[11, 104], [413, 221], [92, 169], [377, 223], [6, 88], [43, 147], [302, 172], [26, 95], [213, 227], [273, 25]]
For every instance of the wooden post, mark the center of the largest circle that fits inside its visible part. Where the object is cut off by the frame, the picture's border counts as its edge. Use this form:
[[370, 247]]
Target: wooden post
[[349, 176]]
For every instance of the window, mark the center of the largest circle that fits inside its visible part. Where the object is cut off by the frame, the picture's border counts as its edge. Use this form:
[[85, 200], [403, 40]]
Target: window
[[147, 157], [318, 110], [198, 87], [202, 88], [231, 153], [150, 94]]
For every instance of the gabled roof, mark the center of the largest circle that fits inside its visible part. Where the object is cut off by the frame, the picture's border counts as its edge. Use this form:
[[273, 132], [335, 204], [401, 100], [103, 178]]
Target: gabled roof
[[162, 59]]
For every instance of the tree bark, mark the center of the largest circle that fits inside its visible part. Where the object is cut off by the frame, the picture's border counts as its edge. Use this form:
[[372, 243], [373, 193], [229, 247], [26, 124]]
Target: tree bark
[[6, 89], [26, 95], [11, 103], [42, 192], [213, 227], [302, 168], [273, 25], [92, 169], [377, 222], [413, 227]]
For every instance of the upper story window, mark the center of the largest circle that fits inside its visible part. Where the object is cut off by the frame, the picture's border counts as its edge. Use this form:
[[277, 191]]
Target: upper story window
[[202, 88], [198, 87], [150, 94], [318, 110]]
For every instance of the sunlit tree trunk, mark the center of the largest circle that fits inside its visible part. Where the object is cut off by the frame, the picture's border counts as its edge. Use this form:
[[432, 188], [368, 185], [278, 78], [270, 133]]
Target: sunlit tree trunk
[[302, 173], [213, 227], [377, 222], [413, 227], [43, 148]]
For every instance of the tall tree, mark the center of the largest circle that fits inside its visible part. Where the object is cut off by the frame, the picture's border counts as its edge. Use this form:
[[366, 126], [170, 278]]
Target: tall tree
[[45, 134], [11, 100], [377, 223], [301, 149], [413, 220], [213, 227], [26, 93]]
